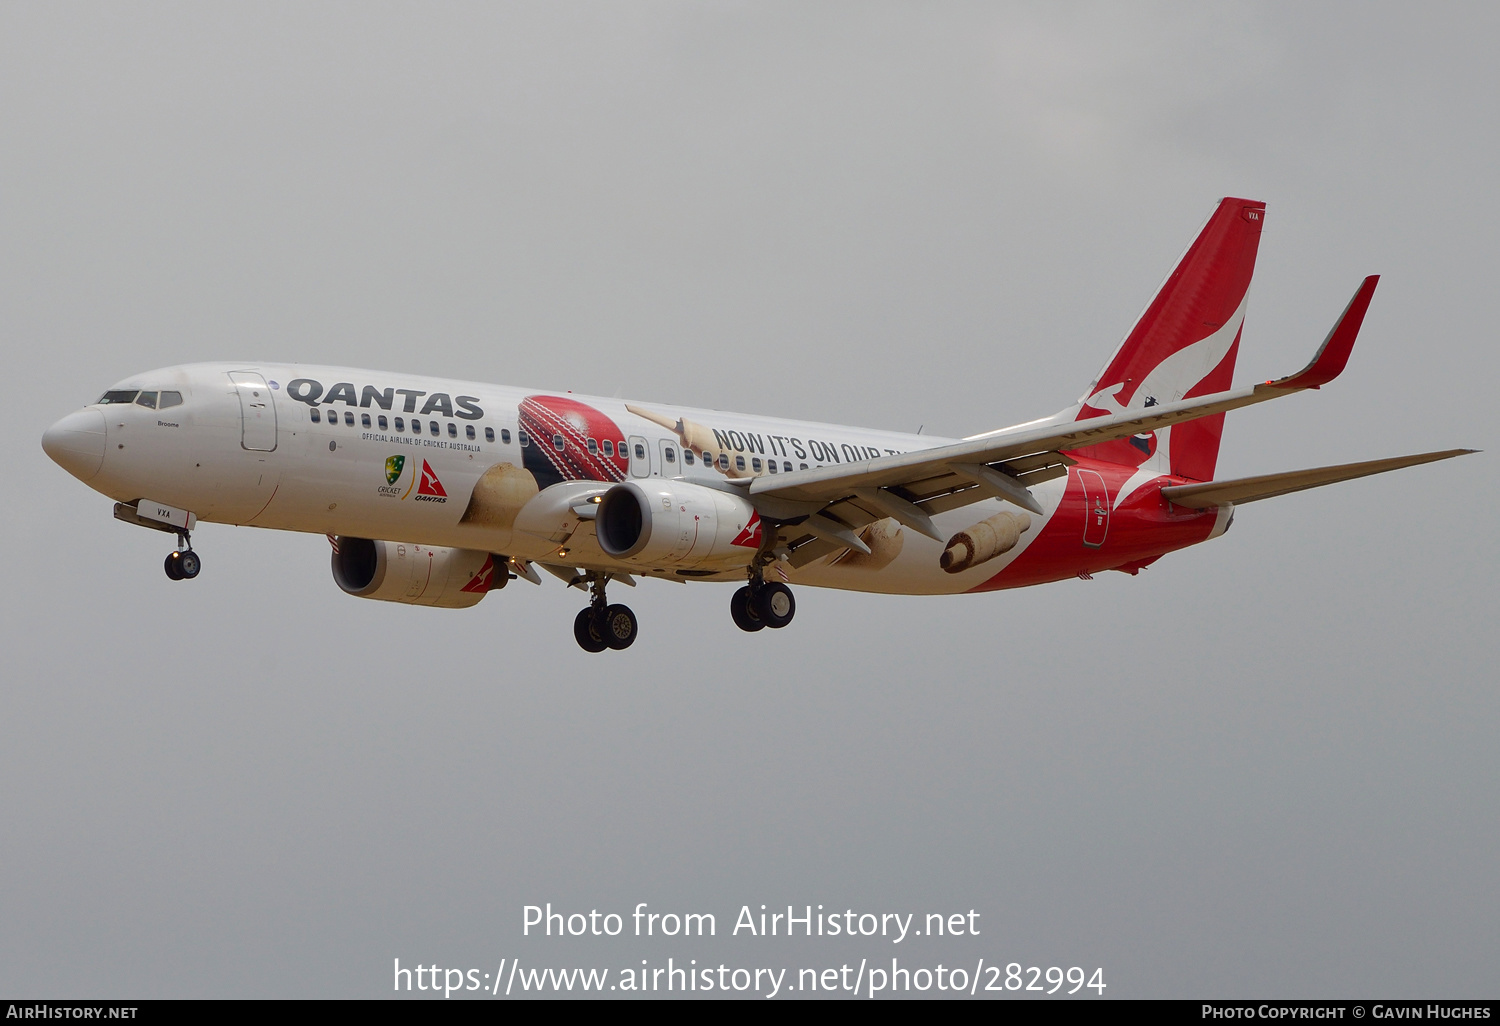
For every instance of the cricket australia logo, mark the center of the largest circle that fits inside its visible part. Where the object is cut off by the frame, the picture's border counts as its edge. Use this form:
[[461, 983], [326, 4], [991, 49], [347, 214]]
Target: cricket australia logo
[[394, 465]]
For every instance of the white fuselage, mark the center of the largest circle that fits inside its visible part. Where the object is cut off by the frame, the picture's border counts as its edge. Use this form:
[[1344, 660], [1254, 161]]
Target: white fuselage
[[342, 451]]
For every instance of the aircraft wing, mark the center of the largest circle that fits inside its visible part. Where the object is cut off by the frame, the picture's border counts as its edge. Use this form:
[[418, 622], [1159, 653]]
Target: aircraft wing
[[910, 487]]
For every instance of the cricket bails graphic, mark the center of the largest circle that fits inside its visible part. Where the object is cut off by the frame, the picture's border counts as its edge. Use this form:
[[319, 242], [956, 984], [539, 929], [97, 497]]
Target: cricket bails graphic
[[694, 438]]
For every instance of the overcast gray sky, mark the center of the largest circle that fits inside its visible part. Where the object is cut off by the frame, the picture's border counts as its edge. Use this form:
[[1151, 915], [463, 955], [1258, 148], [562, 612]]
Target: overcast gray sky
[[1266, 766]]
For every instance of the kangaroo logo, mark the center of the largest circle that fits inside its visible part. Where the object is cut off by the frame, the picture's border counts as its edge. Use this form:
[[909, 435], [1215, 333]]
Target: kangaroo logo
[[1168, 381], [750, 535], [430, 489]]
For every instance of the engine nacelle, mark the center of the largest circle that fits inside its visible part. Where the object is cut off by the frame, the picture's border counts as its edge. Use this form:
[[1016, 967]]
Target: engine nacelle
[[669, 524], [419, 575]]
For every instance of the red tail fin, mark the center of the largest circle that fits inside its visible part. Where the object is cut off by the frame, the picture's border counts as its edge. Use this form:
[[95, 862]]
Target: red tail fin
[[1184, 345]]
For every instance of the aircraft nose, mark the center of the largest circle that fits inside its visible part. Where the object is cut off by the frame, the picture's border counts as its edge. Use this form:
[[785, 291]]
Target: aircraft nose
[[76, 443]]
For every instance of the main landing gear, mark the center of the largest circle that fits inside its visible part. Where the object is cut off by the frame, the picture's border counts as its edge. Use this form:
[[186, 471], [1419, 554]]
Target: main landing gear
[[758, 605], [183, 563], [601, 625]]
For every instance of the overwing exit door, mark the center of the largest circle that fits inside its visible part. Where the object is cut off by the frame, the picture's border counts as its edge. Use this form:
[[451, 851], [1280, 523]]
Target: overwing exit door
[[640, 457], [667, 450]]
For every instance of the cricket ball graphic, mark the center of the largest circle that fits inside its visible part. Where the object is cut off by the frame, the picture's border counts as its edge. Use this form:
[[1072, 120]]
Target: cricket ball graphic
[[570, 441]]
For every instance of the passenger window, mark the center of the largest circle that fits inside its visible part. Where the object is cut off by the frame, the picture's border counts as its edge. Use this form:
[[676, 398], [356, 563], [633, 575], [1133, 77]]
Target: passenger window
[[755, 464], [669, 454], [453, 429], [381, 421], [469, 431], [687, 456], [593, 447], [609, 447], [559, 444], [169, 400], [400, 424], [364, 420], [525, 439], [771, 466], [146, 399], [739, 463], [348, 418], [117, 396], [489, 434], [802, 466], [723, 461], [640, 451], [787, 466], [317, 418], [432, 428], [504, 435]]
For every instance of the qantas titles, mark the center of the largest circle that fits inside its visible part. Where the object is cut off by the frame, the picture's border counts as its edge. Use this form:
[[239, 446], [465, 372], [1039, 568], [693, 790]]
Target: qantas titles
[[310, 391]]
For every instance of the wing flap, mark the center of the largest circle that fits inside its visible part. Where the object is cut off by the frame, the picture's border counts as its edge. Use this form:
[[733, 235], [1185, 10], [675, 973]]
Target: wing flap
[[1267, 486]]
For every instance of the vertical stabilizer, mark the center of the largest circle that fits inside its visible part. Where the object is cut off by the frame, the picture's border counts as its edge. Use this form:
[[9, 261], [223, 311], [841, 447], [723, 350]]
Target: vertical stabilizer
[[1184, 345]]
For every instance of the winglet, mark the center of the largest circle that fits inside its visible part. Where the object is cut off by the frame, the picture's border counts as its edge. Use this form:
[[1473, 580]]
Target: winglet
[[1333, 354]]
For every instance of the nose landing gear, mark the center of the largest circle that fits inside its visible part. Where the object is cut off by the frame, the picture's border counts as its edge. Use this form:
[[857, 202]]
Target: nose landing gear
[[183, 563], [601, 625]]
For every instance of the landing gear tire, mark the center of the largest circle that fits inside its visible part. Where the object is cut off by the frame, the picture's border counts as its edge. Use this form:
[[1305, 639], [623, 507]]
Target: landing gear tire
[[619, 627], [188, 564], [183, 563], [742, 609], [774, 605], [584, 632]]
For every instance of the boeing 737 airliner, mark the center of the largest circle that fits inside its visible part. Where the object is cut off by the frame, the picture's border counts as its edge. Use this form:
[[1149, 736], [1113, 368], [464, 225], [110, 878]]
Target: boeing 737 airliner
[[482, 484]]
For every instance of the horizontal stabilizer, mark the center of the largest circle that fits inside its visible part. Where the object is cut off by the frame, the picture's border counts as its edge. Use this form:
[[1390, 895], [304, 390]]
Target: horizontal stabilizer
[[1248, 489]]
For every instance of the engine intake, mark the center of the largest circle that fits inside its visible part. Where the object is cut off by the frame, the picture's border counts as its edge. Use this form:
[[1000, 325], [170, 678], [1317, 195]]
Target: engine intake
[[419, 575], [668, 524]]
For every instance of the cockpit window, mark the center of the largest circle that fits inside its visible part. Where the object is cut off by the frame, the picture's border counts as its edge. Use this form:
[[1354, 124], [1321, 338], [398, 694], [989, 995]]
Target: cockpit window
[[168, 400], [118, 396], [146, 399]]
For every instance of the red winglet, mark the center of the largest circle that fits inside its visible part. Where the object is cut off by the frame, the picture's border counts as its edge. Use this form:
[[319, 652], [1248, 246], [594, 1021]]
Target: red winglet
[[1333, 354]]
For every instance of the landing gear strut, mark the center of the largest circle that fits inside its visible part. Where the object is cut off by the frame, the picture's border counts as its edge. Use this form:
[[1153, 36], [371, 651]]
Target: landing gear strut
[[183, 563], [758, 605], [601, 625]]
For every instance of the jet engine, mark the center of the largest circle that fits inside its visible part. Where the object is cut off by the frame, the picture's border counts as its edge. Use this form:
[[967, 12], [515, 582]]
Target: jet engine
[[419, 575], [673, 524]]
